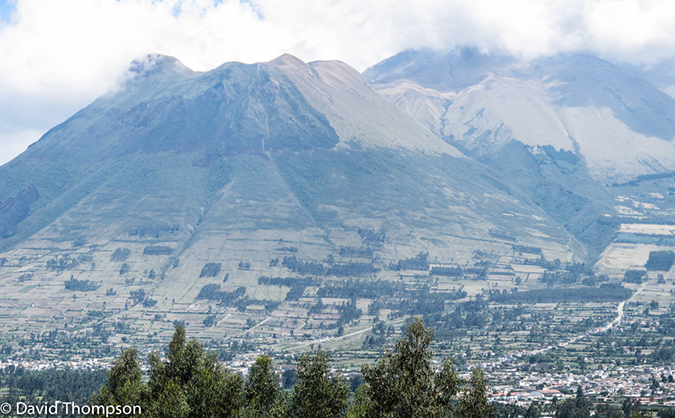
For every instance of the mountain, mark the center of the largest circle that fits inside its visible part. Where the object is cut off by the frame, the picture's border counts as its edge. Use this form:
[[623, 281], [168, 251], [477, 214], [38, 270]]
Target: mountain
[[660, 74], [561, 128], [618, 123], [443, 72], [244, 170]]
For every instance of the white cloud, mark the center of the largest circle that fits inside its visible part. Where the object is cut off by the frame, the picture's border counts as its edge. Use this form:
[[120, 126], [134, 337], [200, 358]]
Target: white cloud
[[633, 31], [58, 55]]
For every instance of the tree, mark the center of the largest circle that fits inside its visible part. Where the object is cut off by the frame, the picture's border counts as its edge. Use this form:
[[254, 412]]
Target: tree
[[316, 395], [575, 408], [199, 386], [189, 383], [289, 378], [660, 260], [124, 385], [362, 404], [582, 402], [666, 413], [403, 384], [532, 412], [474, 403], [168, 401], [628, 407], [263, 396], [607, 411], [124, 269]]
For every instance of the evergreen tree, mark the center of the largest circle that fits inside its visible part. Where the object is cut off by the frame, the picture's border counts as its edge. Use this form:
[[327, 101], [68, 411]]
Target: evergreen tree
[[207, 388], [361, 405], [168, 401], [532, 412], [403, 384], [124, 385], [316, 395], [474, 403], [607, 411], [263, 396], [627, 407], [583, 404], [575, 408], [191, 383], [666, 413]]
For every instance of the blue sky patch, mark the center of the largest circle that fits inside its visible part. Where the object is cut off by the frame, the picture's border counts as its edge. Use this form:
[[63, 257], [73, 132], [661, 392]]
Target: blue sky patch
[[6, 9]]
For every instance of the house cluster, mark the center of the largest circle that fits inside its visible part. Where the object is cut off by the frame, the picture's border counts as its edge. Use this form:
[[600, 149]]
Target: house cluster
[[525, 398], [645, 384], [75, 364]]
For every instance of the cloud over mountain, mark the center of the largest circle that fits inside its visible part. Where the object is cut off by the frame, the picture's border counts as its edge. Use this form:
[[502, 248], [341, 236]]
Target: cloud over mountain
[[59, 56]]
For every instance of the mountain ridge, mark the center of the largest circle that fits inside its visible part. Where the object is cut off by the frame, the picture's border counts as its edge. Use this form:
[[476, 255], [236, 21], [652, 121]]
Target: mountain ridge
[[313, 131], [581, 100]]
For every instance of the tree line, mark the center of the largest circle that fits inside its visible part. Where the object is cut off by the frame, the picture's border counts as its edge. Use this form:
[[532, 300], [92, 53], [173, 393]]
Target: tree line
[[190, 382], [607, 292], [37, 387]]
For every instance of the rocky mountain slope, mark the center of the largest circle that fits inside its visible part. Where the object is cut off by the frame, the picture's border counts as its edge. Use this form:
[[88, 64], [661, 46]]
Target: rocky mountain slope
[[562, 128], [241, 167], [616, 122]]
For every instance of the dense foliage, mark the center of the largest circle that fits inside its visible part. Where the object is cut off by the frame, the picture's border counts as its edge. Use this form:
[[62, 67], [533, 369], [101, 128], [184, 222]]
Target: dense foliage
[[157, 250], [608, 292], [120, 254], [190, 382], [419, 262], [660, 260], [403, 384], [34, 387], [210, 270], [80, 285]]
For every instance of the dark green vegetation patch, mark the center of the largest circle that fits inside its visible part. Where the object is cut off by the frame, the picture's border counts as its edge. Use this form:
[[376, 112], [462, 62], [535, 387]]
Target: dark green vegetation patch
[[608, 292], [660, 260], [157, 250], [80, 285], [210, 270]]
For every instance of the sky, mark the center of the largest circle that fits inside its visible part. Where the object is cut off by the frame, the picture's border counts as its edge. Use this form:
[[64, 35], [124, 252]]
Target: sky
[[57, 56]]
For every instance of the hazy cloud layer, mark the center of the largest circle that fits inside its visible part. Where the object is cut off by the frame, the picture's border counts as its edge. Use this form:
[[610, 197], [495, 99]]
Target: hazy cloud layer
[[56, 56]]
